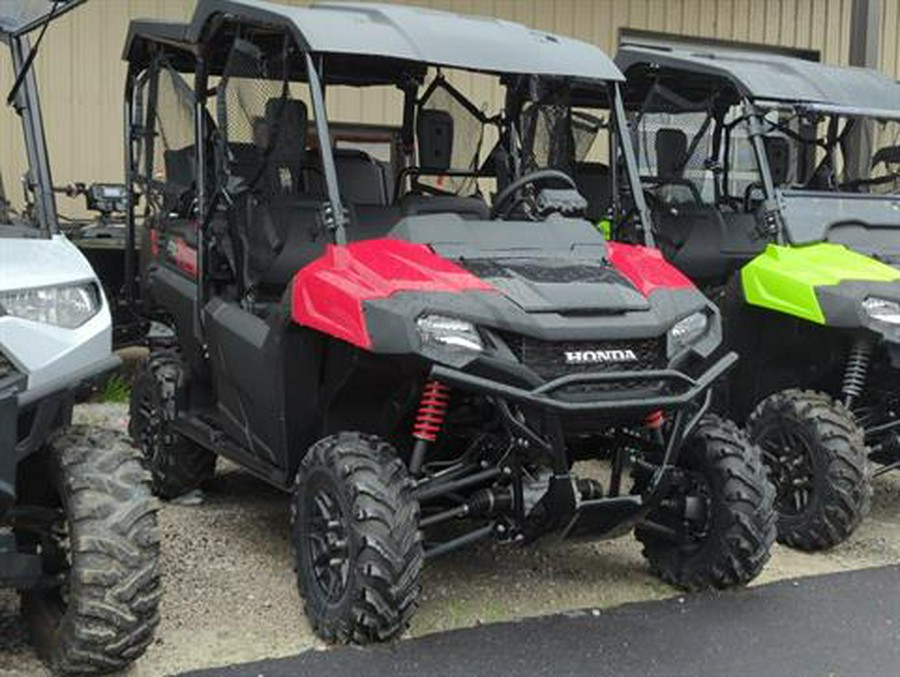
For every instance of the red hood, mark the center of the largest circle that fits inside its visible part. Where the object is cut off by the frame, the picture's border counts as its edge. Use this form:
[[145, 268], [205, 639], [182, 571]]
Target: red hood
[[646, 268], [328, 293]]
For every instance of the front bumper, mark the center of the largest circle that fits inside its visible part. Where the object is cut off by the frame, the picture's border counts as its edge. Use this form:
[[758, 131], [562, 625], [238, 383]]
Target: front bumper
[[685, 399], [683, 389], [46, 402]]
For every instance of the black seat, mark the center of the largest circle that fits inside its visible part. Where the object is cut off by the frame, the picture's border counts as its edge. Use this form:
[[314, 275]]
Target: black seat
[[361, 178], [283, 138], [778, 154], [671, 152], [594, 182], [297, 220]]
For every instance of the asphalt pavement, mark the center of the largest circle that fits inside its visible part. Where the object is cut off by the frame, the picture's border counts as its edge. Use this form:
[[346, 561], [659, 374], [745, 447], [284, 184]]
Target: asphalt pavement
[[845, 624]]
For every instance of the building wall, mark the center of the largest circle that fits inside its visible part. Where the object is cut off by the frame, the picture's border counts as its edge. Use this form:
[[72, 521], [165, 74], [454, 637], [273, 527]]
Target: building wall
[[81, 73]]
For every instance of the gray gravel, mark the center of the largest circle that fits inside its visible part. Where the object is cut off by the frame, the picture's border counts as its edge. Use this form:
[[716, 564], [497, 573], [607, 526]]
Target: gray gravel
[[230, 591]]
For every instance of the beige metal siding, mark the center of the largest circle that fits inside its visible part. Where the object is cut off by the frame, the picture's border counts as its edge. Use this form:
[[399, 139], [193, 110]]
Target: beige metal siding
[[890, 38], [80, 71]]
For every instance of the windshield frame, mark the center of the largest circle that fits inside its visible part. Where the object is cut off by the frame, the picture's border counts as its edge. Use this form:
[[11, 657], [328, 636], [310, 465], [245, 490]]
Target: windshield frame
[[800, 213], [40, 214]]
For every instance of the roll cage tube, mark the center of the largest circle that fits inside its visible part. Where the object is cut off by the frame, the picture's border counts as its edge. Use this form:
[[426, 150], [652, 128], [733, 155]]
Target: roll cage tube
[[755, 133], [631, 167], [337, 219], [28, 106]]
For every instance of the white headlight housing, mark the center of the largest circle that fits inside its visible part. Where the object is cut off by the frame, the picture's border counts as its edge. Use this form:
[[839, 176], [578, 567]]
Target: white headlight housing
[[67, 306], [439, 331], [688, 331], [883, 310]]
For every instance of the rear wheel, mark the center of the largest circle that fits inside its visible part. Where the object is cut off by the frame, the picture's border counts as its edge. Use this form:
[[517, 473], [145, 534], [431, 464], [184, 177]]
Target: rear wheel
[[355, 532], [817, 459], [716, 525], [101, 553], [176, 464]]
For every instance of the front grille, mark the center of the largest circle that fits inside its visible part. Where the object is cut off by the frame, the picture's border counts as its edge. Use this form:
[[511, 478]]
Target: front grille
[[548, 358]]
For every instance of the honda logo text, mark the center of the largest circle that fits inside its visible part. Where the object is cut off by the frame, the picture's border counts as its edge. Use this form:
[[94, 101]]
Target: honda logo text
[[599, 356]]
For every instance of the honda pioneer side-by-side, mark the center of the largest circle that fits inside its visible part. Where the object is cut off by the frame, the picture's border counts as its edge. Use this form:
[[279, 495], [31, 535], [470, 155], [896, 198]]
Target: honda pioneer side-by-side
[[773, 184], [78, 532], [338, 308]]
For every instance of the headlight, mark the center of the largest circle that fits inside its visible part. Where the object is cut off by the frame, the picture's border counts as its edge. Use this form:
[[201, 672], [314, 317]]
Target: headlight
[[689, 330], [69, 307], [438, 331], [882, 310]]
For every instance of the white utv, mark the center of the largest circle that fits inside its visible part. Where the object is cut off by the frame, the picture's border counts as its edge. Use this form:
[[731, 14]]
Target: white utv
[[78, 530]]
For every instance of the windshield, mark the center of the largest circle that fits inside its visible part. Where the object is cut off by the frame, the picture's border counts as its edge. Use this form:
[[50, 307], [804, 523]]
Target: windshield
[[837, 153], [695, 152]]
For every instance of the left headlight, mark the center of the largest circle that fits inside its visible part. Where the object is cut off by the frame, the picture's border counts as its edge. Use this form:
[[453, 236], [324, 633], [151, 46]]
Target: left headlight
[[449, 338], [689, 330], [883, 310], [67, 306]]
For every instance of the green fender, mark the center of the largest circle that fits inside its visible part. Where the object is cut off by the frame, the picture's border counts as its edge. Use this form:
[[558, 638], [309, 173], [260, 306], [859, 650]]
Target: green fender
[[784, 279]]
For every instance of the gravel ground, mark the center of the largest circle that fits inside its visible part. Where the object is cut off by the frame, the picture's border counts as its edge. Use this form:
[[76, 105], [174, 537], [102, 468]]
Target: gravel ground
[[230, 594]]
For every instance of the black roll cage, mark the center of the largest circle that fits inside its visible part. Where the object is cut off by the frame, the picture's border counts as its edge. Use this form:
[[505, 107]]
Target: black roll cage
[[204, 58]]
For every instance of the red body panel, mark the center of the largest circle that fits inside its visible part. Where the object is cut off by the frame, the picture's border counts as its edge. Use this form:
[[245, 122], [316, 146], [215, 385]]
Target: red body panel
[[328, 294], [185, 257], [646, 268]]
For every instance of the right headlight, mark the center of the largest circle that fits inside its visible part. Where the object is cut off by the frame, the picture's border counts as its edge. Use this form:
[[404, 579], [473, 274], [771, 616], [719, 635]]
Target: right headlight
[[883, 310], [67, 306], [451, 332], [689, 330]]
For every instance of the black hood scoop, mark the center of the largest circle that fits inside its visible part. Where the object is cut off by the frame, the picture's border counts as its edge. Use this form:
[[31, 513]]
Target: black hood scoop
[[560, 285], [553, 266]]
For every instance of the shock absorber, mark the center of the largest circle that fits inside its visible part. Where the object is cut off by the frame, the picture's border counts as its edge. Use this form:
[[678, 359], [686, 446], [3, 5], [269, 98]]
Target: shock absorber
[[856, 370], [430, 417]]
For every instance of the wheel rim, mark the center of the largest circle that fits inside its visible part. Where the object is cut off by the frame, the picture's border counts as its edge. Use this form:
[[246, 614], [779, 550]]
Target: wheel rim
[[693, 510], [685, 516], [326, 534], [155, 409], [787, 454]]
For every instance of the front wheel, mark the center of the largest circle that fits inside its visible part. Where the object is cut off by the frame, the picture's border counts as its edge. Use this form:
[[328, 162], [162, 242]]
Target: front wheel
[[178, 465], [817, 459], [101, 553], [716, 525], [357, 546]]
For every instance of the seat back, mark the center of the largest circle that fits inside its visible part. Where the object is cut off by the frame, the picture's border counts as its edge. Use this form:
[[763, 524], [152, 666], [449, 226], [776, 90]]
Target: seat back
[[361, 178], [594, 182], [434, 132], [283, 136], [778, 153], [671, 151]]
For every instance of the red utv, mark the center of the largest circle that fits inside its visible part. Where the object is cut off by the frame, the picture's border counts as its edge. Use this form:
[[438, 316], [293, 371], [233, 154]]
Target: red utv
[[340, 310]]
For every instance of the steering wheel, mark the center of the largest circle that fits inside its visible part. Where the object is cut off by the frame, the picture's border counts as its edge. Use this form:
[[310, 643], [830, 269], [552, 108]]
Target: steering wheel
[[748, 195], [500, 206]]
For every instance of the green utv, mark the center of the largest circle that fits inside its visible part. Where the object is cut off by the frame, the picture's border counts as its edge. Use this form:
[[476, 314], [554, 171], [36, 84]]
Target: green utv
[[774, 183]]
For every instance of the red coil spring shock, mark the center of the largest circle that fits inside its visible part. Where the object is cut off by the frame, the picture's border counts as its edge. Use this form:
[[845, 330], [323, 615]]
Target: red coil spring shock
[[655, 420], [432, 411]]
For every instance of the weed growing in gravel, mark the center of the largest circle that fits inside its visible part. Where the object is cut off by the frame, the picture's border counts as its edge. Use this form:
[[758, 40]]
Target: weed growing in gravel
[[116, 389]]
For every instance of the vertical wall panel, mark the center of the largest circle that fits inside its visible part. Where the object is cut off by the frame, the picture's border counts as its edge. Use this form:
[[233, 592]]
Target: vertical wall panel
[[890, 37], [81, 73]]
